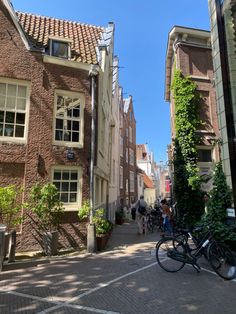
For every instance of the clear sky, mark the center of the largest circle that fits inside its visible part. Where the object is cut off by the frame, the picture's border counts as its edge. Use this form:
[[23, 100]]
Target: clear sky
[[141, 32]]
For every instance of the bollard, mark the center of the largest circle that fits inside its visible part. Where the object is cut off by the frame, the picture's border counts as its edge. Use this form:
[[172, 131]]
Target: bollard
[[2, 242]]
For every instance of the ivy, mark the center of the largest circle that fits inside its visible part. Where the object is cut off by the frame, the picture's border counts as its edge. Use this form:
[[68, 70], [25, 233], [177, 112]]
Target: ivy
[[187, 101], [186, 173]]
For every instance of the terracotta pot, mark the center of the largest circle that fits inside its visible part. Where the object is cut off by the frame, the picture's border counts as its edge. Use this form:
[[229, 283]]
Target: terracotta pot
[[102, 241]]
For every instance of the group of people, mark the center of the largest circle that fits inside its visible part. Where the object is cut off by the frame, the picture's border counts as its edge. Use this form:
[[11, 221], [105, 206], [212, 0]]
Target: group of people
[[139, 210]]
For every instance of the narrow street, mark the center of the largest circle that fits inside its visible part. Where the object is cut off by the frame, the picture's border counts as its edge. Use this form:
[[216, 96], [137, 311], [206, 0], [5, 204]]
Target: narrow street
[[123, 279]]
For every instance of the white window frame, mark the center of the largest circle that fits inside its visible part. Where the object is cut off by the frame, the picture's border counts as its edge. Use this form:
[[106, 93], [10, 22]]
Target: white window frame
[[26, 111], [62, 40], [75, 205], [64, 93]]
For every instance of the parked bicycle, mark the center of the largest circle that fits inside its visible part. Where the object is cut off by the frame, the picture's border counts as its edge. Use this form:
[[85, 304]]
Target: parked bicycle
[[173, 252]]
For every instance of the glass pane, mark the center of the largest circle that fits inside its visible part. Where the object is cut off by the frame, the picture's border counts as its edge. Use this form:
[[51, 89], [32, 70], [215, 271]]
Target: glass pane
[[74, 175], [21, 103], [73, 186], [2, 89], [2, 101], [59, 124], [9, 130], [75, 137], [21, 91], [59, 49], [65, 175], [60, 101], [67, 136], [20, 118], [75, 125], [10, 117], [64, 197], [1, 129], [65, 186], [73, 197], [1, 116], [11, 90], [57, 175], [76, 112], [69, 112], [11, 102], [57, 185], [58, 136], [19, 131]]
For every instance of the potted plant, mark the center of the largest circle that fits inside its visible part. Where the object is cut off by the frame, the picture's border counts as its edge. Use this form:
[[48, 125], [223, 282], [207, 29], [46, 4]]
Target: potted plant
[[10, 216], [45, 203], [103, 228]]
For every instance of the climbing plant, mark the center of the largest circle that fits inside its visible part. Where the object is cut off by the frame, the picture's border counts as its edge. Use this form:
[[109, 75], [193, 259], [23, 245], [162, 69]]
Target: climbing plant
[[187, 102], [186, 173]]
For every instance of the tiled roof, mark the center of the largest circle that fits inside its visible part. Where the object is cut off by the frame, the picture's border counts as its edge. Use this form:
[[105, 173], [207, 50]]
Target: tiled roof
[[85, 38], [147, 182]]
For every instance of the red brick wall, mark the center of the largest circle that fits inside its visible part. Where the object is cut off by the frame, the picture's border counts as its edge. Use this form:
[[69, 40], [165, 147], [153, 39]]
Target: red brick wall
[[18, 63]]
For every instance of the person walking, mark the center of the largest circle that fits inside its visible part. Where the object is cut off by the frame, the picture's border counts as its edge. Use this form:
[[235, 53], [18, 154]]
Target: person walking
[[141, 209], [166, 215], [133, 210]]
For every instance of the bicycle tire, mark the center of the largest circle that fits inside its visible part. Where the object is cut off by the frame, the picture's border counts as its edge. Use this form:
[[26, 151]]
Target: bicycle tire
[[164, 248], [222, 260]]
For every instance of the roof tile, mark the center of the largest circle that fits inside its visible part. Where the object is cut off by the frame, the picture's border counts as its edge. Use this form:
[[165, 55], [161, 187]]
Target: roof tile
[[85, 38]]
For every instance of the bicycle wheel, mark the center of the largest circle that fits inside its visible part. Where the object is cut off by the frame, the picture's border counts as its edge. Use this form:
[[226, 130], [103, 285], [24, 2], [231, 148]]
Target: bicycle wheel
[[222, 260], [164, 248], [150, 225]]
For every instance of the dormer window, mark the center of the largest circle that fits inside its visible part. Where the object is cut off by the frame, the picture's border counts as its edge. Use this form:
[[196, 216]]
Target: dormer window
[[60, 48]]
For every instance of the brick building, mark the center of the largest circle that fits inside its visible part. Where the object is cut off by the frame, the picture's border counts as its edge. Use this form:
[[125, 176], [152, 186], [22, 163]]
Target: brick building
[[128, 168], [190, 51], [52, 72]]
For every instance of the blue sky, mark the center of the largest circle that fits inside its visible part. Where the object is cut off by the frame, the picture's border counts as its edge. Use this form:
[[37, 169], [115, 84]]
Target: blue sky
[[141, 32]]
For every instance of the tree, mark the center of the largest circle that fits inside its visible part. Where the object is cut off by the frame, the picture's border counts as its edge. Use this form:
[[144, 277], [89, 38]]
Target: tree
[[220, 200]]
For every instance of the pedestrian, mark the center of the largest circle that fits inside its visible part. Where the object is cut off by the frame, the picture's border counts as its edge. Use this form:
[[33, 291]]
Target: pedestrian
[[166, 215], [141, 209], [133, 210]]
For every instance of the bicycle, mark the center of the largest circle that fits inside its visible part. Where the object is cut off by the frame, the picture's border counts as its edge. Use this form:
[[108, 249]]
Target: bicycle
[[172, 253]]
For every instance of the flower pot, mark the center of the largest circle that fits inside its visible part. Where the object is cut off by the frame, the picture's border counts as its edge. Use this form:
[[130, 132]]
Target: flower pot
[[6, 244], [50, 243], [102, 241]]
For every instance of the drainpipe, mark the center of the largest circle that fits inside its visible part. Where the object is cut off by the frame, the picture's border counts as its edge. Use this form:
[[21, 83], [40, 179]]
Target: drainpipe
[[91, 231]]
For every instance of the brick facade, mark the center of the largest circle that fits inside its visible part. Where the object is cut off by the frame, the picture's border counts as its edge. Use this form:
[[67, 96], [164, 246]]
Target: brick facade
[[31, 161]]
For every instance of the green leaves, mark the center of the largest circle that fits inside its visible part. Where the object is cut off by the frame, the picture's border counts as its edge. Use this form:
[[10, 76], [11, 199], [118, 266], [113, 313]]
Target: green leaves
[[186, 173], [11, 206], [46, 205]]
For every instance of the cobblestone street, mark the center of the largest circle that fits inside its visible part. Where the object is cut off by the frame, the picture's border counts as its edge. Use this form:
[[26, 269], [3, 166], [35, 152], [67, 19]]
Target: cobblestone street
[[124, 279]]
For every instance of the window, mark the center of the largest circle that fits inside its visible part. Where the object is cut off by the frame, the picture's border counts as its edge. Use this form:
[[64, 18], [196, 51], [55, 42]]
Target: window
[[13, 110], [69, 118], [131, 178], [67, 182], [204, 155], [121, 146], [121, 177], [127, 155], [131, 156], [60, 48], [130, 135]]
